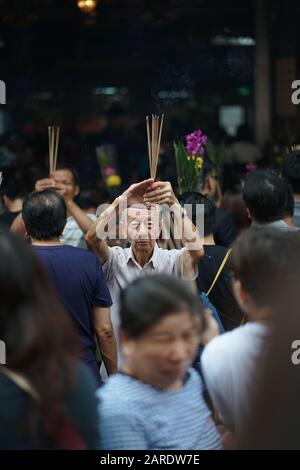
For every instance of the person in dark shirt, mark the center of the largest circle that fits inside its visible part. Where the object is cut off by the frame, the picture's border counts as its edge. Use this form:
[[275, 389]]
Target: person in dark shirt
[[13, 193], [224, 227], [266, 195], [47, 397], [221, 295], [76, 275]]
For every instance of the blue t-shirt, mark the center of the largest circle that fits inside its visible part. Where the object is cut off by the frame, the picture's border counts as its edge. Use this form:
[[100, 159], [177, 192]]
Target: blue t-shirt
[[80, 284]]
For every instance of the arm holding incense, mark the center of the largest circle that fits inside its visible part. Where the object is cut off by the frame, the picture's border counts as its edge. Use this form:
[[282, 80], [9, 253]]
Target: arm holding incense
[[95, 237], [161, 192]]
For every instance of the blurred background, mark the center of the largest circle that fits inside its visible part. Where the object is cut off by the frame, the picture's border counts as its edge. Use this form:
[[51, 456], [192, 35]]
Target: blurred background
[[96, 68]]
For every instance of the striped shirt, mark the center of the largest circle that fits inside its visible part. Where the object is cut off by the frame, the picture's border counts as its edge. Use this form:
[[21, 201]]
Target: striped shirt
[[134, 415]]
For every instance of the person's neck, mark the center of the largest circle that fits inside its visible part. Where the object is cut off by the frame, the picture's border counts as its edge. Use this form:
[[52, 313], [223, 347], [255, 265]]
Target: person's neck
[[143, 256], [15, 206], [260, 315], [209, 240], [53, 242], [126, 369], [297, 197]]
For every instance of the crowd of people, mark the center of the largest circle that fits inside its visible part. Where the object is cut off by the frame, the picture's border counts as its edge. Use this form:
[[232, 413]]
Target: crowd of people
[[121, 334]]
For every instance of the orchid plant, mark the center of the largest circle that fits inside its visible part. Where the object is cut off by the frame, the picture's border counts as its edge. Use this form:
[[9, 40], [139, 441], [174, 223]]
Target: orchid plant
[[190, 160]]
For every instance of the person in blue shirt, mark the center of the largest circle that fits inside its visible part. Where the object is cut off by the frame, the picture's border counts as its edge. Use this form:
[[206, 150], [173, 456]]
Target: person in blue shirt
[[76, 275], [156, 401]]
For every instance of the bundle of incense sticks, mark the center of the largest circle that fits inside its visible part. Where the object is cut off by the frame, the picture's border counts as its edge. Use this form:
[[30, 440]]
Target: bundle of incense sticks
[[53, 133], [1, 179], [154, 130], [292, 148]]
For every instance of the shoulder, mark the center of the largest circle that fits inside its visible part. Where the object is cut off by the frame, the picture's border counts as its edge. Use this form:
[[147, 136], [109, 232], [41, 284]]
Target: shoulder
[[82, 253], [222, 346], [195, 380], [117, 254], [231, 345], [122, 390], [121, 397], [13, 400], [173, 254], [215, 252], [116, 385]]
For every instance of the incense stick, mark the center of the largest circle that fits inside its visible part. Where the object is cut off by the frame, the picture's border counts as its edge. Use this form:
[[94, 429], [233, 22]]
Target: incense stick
[[154, 132], [53, 134], [159, 140], [56, 148], [1, 179]]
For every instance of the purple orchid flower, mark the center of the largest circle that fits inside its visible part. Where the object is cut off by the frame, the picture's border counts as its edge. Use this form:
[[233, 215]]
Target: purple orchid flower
[[195, 143]]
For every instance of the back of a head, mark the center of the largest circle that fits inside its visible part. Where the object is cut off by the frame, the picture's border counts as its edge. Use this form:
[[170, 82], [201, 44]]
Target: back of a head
[[44, 214], [208, 169], [291, 170], [14, 189], [196, 199], [233, 203], [259, 263], [149, 299], [265, 196]]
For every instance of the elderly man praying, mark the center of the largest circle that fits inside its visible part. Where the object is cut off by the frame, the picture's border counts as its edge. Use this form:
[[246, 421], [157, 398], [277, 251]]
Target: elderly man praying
[[139, 213]]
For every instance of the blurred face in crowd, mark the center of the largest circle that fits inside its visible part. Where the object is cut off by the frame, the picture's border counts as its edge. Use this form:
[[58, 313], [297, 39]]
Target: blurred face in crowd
[[65, 177], [162, 354], [141, 227], [210, 184]]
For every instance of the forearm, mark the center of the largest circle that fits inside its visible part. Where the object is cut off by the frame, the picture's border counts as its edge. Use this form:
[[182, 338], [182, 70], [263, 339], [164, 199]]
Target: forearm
[[97, 230], [84, 222], [108, 349]]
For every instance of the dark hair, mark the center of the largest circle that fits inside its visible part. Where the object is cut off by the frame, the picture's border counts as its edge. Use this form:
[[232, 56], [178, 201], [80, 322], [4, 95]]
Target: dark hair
[[258, 263], [14, 189], [39, 338], [44, 214], [194, 199], [274, 414], [265, 196], [208, 168], [234, 204], [149, 299], [291, 170]]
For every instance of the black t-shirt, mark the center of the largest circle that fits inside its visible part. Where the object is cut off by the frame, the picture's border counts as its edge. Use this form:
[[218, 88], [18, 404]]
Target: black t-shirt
[[221, 296], [7, 218], [16, 405], [225, 230]]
